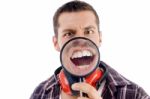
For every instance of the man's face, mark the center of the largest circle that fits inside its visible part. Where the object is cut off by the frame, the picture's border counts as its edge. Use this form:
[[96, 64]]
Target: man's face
[[78, 59], [77, 24]]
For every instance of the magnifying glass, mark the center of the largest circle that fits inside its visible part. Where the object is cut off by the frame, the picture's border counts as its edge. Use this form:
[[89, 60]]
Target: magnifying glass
[[79, 57]]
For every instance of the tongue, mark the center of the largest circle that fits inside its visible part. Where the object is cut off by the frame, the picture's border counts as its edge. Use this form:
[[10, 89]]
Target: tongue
[[82, 61]]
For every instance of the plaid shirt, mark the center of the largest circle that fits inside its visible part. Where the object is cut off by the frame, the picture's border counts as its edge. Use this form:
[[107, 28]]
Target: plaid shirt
[[116, 87]]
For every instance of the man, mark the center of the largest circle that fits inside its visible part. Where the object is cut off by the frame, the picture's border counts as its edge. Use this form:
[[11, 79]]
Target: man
[[79, 19]]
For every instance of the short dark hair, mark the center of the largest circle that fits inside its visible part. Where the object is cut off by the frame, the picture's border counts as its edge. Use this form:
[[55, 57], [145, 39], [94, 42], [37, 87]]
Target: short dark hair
[[73, 6]]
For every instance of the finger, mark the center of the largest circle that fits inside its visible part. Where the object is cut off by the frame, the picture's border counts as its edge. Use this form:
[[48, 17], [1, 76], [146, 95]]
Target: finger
[[82, 98], [86, 88]]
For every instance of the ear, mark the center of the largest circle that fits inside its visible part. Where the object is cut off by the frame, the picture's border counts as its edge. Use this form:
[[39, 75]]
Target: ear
[[55, 42], [100, 38]]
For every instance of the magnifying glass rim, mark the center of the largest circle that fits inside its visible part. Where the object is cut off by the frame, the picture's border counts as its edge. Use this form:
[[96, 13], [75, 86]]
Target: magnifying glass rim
[[83, 38]]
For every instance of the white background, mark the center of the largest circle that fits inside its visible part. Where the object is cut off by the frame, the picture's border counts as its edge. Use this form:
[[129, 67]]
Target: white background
[[27, 56]]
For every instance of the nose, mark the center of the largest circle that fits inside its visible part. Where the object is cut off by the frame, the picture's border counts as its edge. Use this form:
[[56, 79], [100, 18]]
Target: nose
[[80, 34]]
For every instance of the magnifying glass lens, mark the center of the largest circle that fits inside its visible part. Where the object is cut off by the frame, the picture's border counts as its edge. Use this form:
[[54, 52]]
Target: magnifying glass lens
[[80, 56]]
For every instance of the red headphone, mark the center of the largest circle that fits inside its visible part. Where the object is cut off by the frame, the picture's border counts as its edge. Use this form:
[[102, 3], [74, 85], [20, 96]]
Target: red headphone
[[91, 79]]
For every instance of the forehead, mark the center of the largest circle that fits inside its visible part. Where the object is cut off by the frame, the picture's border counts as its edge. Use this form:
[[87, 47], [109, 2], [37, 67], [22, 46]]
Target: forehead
[[72, 19]]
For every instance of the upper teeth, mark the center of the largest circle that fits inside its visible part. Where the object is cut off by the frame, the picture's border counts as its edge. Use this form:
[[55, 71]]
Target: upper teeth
[[83, 53]]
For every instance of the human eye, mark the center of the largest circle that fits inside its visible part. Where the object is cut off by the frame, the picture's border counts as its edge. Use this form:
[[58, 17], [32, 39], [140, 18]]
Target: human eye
[[68, 34], [90, 31]]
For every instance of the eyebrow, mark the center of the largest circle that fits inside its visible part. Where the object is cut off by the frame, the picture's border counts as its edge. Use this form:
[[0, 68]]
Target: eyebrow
[[66, 30], [86, 28], [89, 27]]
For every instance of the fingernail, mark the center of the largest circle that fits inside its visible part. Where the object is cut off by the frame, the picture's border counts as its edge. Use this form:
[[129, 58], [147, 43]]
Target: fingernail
[[74, 86]]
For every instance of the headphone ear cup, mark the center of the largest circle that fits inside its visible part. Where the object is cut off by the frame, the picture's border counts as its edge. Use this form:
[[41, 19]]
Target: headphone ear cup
[[64, 82], [90, 79], [94, 77]]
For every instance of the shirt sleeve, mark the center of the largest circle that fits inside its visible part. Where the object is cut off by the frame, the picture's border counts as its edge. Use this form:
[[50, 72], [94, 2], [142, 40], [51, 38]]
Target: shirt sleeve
[[37, 92], [141, 94]]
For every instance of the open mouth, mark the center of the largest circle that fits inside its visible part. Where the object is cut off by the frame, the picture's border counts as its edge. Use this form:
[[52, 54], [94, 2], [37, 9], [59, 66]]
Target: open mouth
[[82, 58]]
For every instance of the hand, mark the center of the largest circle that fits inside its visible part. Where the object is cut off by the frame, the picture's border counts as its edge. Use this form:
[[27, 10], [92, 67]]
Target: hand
[[86, 88]]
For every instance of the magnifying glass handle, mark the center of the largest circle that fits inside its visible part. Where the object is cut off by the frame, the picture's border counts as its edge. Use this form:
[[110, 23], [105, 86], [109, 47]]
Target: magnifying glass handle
[[81, 80]]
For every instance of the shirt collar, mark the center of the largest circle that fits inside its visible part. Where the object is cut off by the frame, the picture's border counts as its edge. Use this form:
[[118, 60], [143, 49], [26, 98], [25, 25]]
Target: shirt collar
[[114, 79], [54, 79]]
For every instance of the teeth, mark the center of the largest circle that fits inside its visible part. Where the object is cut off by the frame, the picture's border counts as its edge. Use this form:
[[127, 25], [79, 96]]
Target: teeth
[[80, 54], [86, 53]]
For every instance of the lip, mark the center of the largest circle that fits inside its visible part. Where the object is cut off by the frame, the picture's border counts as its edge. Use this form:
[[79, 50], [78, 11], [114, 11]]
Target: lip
[[82, 61], [83, 69], [80, 70], [81, 51]]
